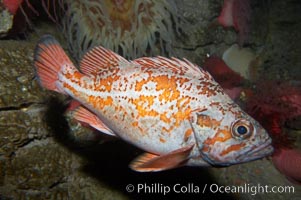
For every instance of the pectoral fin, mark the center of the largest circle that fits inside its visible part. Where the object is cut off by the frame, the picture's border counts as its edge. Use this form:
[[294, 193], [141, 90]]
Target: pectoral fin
[[83, 115], [148, 162]]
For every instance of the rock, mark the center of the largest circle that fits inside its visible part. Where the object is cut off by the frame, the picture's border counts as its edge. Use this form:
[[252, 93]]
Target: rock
[[6, 22], [18, 86], [255, 177], [280, 42], [33, 163]]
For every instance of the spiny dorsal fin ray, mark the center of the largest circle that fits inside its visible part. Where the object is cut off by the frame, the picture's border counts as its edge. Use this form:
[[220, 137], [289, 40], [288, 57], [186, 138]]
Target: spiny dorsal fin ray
[[99, 59], [174, 64]]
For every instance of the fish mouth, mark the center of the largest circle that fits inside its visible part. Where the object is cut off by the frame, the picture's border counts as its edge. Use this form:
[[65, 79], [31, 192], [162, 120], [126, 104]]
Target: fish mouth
[[258, 152]]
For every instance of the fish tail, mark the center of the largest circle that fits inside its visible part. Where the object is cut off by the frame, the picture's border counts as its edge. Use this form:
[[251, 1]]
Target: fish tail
[[50, 60]]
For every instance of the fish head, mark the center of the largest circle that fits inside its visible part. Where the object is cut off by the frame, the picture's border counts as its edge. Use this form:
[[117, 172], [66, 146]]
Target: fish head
[[226, 135]]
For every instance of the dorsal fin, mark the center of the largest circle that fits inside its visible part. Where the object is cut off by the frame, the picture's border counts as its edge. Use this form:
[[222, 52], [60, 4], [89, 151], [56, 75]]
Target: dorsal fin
[[174, 64], [99, 59]]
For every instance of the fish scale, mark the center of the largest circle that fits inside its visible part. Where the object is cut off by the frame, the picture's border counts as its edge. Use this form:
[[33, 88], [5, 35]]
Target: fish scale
[[144, 97], [170, 108]]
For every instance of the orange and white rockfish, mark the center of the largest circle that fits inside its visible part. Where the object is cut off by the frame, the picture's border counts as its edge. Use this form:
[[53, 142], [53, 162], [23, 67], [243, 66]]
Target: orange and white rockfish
[[170, 108]]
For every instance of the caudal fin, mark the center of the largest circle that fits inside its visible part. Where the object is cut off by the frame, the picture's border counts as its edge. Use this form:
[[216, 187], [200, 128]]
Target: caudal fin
[[49, 58]]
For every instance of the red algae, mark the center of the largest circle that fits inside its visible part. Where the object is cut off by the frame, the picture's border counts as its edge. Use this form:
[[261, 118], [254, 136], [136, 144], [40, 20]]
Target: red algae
[[272, 104]]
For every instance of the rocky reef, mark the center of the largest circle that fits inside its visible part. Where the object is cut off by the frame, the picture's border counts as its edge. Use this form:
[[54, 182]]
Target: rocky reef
[[33, 164]]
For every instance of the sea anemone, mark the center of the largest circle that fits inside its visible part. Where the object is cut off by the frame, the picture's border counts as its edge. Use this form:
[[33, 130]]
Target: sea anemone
[[239, 60], [133, 28]]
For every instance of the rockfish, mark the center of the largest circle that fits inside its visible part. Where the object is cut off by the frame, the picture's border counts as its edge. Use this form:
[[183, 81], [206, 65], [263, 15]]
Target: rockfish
[[170, 108]]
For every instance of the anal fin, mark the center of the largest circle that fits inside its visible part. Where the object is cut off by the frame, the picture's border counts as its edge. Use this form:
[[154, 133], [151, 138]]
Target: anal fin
[[83, 115], [148, 162]]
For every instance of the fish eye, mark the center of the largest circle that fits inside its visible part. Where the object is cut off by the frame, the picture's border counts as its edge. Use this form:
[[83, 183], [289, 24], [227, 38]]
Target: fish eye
[[242, 129]]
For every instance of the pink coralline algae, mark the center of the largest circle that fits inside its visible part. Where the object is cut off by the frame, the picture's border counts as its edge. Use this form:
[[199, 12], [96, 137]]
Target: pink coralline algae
[[288, 162], [237, 14], [12, 5]]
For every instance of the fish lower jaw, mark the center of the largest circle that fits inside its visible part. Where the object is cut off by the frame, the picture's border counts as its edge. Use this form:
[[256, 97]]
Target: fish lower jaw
[[261, 151]]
